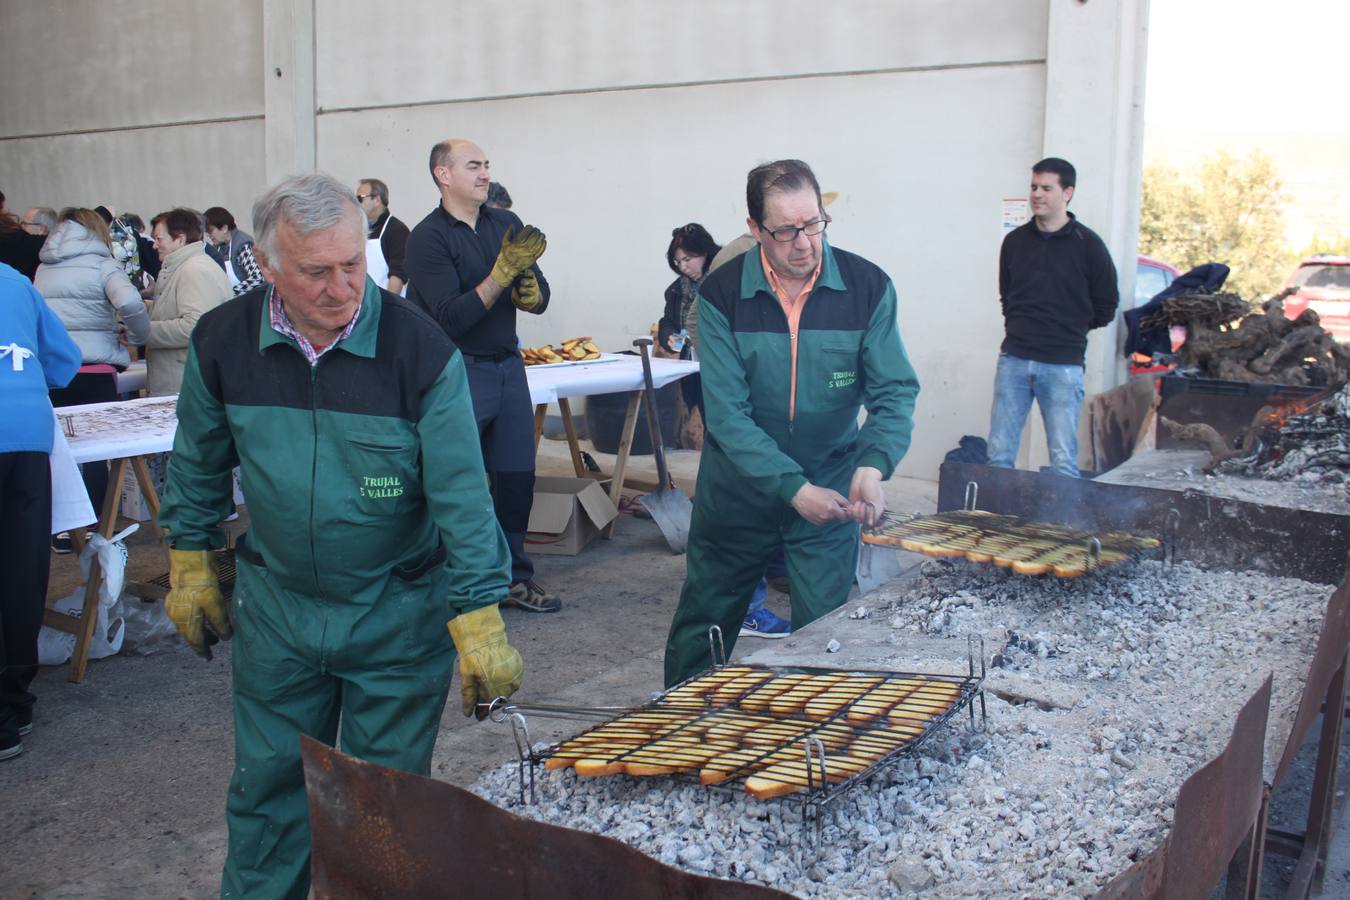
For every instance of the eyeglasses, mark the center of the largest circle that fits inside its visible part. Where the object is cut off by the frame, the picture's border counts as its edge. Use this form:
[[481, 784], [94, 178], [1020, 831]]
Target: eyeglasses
[[360, 197], [789, 232]]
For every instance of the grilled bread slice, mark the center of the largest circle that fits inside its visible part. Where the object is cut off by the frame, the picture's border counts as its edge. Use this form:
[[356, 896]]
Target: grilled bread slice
[[791, 776], [840, 695], [879, 700], [758, 700]]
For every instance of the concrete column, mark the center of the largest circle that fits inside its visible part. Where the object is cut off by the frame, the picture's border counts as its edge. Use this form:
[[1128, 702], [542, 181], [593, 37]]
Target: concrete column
[[289, 98], [1094, 118]]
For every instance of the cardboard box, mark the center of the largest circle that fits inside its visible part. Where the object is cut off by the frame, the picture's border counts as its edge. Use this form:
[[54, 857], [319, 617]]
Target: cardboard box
[[134, 505], [568, 514]]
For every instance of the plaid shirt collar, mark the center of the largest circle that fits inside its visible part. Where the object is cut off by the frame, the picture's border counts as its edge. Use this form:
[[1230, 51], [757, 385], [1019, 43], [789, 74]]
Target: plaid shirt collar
[[281, 323]]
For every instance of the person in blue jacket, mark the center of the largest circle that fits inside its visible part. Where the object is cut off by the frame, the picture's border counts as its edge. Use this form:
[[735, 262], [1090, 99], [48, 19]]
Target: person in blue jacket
[[36, 354]]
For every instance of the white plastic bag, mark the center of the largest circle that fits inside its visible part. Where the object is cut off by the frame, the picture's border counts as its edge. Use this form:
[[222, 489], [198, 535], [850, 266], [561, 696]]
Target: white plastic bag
[[55, 647], [148, 627]]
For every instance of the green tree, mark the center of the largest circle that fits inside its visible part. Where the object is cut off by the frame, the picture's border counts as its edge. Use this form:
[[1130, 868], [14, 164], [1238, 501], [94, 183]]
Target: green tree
[[1225, 209], [1321, 245]]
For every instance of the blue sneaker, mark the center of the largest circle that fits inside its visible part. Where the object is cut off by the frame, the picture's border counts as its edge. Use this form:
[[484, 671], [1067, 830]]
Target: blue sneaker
[[763, 623]]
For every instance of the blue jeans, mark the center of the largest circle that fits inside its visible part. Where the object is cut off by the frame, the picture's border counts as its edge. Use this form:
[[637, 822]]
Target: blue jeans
[[1058, 390]]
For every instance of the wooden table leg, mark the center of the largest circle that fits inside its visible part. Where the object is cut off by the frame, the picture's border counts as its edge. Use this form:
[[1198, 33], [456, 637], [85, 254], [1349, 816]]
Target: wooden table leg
[[540, 410], [570, 427], [107, 526], [147, 485], [621, 461]]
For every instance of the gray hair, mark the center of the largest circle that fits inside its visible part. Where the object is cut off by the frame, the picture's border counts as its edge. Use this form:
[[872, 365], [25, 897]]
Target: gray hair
[[307, 203], [378, 188], [44, 216]]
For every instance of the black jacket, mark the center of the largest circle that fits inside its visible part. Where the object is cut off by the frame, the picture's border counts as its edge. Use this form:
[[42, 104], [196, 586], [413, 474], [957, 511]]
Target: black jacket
[[1055, 287], [446, 260]]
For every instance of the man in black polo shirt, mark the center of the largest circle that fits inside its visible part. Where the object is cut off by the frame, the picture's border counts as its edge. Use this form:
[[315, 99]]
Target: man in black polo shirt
[[472, 266], [1056, 283]]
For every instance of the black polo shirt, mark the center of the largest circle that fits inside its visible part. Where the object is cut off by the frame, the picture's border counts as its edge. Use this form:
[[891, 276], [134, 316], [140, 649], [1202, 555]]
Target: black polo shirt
[[446, 260]]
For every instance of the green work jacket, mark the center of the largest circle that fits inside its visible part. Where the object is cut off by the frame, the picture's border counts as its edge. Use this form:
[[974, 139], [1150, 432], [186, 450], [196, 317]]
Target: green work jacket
[[362, 467], [849, 356]]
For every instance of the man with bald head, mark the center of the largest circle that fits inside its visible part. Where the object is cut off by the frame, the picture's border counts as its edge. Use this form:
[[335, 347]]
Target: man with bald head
[[471, 266], [347, 413]]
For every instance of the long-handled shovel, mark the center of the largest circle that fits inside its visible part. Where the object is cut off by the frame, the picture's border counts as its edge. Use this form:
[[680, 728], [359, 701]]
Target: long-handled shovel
[[669, 506]]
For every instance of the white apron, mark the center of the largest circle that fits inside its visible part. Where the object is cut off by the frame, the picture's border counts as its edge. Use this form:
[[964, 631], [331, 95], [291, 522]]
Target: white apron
[[377, 267]]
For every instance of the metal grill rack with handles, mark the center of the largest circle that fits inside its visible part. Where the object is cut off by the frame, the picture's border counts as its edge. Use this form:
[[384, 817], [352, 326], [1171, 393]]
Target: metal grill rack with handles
[[769, 731]]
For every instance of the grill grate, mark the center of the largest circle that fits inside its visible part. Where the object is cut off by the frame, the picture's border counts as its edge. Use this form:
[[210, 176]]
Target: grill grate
[[1026, 546], [772, 731]]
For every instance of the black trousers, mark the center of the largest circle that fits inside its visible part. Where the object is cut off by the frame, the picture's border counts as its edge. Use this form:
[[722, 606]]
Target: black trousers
[[501, 404], [90, 387], [691, 388], [25, 557]]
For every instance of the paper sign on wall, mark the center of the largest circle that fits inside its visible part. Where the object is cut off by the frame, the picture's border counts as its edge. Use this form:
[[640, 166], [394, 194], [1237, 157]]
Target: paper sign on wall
[[1015, 213]]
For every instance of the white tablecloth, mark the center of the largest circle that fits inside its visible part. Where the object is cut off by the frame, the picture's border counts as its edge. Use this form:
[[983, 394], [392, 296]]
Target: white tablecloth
[[608, 375], [123, 428], [100, 431], [70, 501]]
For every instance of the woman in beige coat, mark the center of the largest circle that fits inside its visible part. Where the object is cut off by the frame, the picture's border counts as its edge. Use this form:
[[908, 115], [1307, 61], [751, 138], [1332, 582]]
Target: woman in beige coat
[[190, 284]]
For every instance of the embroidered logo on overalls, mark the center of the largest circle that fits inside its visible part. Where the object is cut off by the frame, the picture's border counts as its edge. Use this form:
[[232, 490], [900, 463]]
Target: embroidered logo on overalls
[[842, 379], [381, 487]]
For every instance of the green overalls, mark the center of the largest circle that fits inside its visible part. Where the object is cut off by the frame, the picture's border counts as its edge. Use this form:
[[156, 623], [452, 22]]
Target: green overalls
[[371, 527], [757, 455]]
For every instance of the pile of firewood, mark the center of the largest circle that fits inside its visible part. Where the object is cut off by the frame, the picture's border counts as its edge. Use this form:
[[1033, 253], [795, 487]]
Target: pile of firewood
[[1226, 339]]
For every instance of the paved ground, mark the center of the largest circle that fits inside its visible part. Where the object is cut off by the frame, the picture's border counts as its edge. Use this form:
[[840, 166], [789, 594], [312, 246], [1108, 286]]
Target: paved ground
[[121, 789]]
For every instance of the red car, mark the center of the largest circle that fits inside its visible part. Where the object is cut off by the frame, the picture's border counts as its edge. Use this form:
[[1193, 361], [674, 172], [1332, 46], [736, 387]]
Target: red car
[[1323, 284], [1150, 277]]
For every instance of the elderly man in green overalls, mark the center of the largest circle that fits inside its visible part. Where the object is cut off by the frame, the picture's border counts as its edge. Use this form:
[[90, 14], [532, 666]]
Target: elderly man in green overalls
[[348, 414]]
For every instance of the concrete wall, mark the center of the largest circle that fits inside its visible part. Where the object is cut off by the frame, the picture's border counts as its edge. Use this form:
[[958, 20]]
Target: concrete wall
[[135, 104], [612, 128]]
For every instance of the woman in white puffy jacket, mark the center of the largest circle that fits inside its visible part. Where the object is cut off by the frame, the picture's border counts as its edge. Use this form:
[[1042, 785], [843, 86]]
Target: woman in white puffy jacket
[[91, 294], [89, 291]]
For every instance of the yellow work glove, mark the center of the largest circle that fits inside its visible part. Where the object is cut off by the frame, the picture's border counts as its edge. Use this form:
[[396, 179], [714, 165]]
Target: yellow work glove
[[195, 598], [489, 667], [525, 294], [518, 253]]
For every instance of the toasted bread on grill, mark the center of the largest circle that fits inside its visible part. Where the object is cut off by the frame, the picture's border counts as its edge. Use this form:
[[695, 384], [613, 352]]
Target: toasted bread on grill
[[730, 691], [758, 700], [838, 696], [673, 755], [778, 732], [794, 700], [731, 726], [791, 776], [725, 765], [879, 700]]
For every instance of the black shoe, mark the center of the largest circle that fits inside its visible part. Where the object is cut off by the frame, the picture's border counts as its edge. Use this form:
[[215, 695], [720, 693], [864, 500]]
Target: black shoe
[[25, 722], [531, 597], [61, 543], [10, 749]]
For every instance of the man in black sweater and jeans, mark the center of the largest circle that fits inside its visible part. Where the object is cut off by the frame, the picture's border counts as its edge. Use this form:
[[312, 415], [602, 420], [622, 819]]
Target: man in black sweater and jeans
[[1056, 283]]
